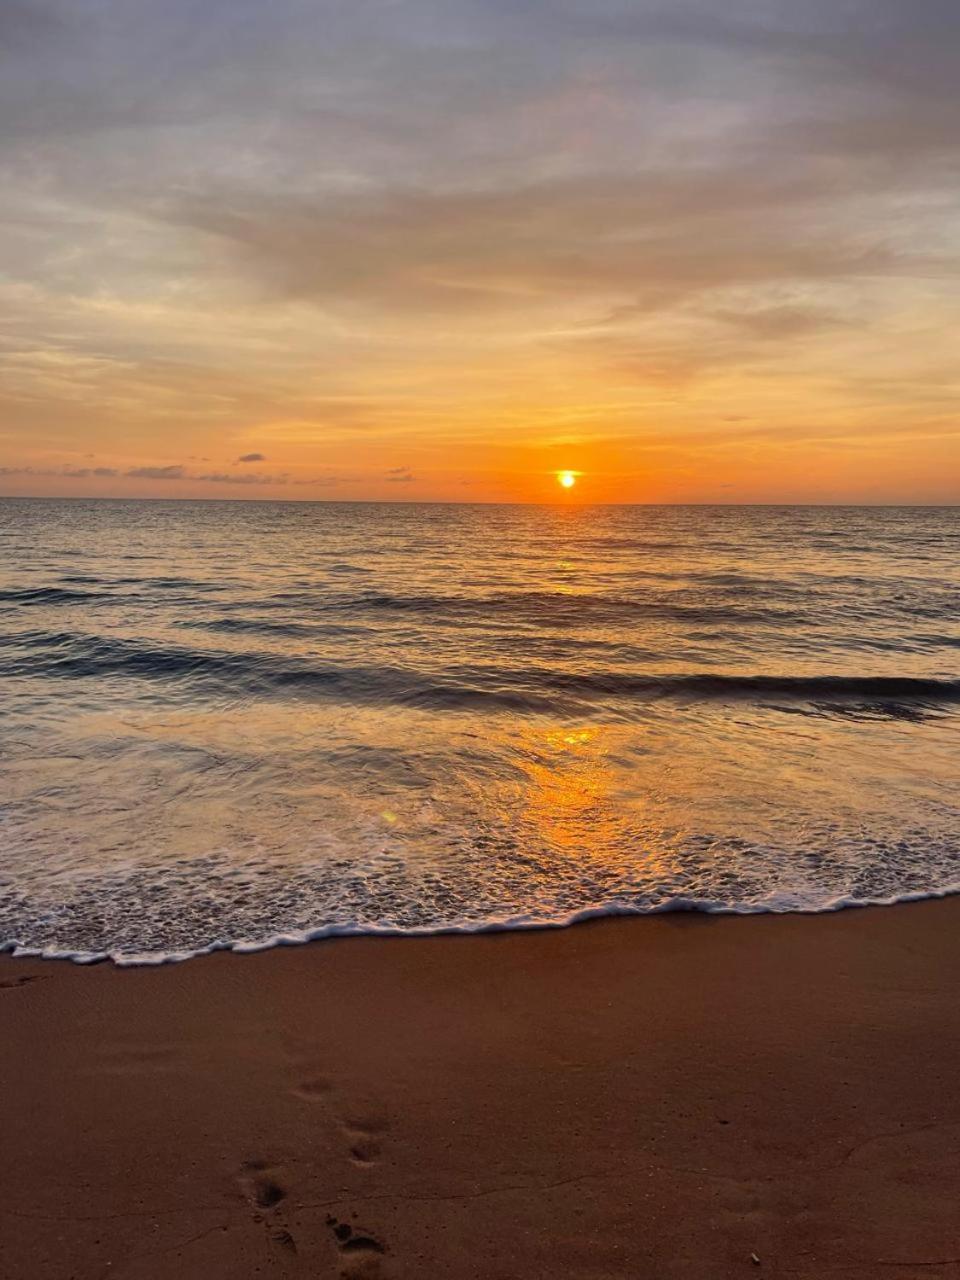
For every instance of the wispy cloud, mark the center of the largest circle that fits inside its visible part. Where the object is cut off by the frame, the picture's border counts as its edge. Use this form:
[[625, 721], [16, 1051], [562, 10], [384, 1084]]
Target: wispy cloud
[[177, 471], [69, 473], [245, 477], [180, 472], [173, 472]]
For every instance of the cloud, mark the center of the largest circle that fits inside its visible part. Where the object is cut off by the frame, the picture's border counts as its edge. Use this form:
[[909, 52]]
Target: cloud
[[180, 472], [657, 239], [252, 457], [782, 321], [173, 472], [71, 473], [400, 475], [245, 478], [24, 25]]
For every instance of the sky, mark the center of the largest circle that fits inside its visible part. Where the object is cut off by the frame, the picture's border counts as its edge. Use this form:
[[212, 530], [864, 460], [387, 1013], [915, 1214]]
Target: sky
[[690, 250]]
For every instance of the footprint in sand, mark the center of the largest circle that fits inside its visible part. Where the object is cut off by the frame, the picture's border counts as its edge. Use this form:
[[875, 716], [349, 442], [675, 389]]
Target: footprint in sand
[[284, 1240], [261, 1185], [11, 983], [264, 1189], [313, 1090], [364, 1152], [361, 1249], [363, 1138]]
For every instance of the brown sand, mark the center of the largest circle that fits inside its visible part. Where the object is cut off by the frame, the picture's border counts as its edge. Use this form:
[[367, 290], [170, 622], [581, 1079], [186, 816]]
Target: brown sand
[[658, 1097]]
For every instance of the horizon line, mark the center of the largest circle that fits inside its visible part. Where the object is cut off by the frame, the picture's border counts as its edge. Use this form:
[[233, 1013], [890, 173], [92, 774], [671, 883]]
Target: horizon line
[[450, 502]]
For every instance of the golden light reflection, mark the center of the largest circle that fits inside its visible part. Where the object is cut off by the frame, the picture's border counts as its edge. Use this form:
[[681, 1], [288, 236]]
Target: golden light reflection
[[588, 799], [568, 797]]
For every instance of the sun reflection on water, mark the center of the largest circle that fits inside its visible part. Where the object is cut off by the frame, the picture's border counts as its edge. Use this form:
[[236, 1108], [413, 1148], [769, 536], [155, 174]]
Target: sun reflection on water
[[568, 799]]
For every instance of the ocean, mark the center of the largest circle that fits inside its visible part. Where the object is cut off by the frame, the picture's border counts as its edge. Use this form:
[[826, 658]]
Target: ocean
[[238, 724]]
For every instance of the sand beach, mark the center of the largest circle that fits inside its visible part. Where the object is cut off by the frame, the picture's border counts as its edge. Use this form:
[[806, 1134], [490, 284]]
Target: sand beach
[[665, 1097]]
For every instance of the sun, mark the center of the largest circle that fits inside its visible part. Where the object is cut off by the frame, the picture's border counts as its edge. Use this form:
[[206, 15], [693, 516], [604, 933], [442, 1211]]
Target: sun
[[567, 479]]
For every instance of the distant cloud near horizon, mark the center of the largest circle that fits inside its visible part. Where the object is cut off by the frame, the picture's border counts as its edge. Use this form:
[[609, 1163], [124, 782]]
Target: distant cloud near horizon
[[252, 457], [176, 472], [69, 473], [246, 478], [400, 475]]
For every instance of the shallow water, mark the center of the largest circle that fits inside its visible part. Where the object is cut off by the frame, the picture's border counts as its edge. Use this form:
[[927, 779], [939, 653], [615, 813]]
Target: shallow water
[[230, 723]]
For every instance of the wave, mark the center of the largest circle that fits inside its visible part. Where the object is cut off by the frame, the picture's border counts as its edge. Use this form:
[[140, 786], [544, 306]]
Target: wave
[[146, 589], [774, 905], [48, 595], [736, 604], [76, 656], [261, 626], [803, 688], [542, 608]]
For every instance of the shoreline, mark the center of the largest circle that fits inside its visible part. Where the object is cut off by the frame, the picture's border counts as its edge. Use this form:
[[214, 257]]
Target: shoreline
[[588, 915], [664, 1095]]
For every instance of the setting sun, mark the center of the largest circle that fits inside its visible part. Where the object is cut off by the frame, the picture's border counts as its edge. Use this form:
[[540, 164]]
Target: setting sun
[[567, 479]]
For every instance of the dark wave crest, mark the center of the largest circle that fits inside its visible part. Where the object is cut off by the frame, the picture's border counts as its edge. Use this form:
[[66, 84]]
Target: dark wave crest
[[77, 656], [538, 608], [48, 595]]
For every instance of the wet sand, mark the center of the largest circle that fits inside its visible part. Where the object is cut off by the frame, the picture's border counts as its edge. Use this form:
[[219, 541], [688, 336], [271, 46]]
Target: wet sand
[[659, 1097]]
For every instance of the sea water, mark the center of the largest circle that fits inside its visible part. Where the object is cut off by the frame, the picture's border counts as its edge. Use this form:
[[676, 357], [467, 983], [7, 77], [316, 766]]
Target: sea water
[[231, 724]]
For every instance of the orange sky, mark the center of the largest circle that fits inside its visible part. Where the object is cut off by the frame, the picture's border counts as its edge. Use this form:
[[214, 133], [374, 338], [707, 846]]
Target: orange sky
[[413, 251]]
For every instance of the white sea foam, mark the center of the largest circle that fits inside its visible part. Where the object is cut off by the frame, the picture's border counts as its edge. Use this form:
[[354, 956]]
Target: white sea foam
[[604, 911]]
